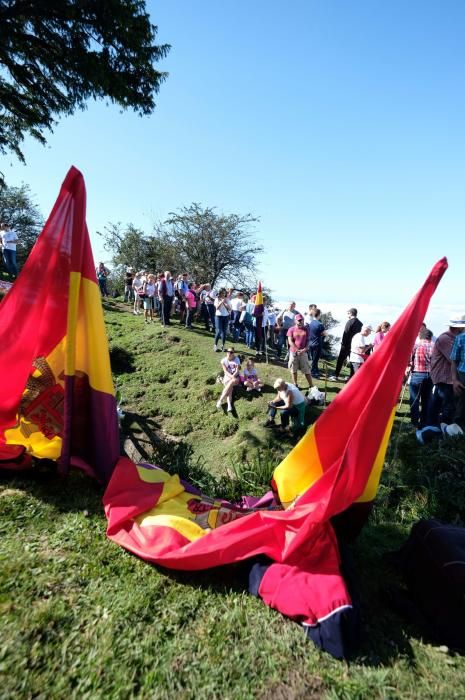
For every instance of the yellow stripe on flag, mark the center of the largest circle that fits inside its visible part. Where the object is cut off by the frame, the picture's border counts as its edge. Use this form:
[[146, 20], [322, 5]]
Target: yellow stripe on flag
[[73, 305], [371, 487], [91, 341], [185, 527], [299, 470]]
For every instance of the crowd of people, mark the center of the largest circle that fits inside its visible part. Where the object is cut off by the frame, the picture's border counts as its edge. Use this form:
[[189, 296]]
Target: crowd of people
[[436, 378], [435, 375], [227, 313]]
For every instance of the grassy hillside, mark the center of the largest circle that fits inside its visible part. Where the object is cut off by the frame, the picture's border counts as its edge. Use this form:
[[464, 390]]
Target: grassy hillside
[[81, 618]]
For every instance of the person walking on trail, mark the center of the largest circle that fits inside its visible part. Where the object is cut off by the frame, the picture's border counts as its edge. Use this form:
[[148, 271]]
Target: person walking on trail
[[298, 338], [353, 326], [289, 401]]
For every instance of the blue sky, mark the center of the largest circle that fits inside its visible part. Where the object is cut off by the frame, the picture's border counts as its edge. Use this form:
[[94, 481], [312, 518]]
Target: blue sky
[[339, 124]]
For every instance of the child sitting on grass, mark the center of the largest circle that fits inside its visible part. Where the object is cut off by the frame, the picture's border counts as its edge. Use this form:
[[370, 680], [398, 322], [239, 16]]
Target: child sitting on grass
[[250, 378]]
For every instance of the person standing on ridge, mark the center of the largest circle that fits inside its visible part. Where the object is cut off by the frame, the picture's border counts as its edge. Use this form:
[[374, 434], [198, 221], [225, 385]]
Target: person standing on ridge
[[352, 327], [8, 240]]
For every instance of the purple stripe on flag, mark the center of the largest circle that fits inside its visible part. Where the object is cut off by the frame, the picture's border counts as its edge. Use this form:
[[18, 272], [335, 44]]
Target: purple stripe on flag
[[90, 427]]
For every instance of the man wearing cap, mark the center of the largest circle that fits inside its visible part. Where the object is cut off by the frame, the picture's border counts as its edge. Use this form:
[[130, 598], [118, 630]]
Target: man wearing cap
[[298, 338], [457, 357], [289, 401], [442, 403], [359, 348], [353, 326]]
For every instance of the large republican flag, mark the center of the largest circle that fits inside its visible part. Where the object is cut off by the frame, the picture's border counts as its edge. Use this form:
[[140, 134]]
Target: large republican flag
[[337, 464], [334, 470], [57, 397]]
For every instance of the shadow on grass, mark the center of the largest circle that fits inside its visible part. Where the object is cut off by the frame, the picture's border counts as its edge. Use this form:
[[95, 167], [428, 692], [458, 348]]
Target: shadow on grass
[[77, 492], [140, 437], [110, 305], [122, 361]]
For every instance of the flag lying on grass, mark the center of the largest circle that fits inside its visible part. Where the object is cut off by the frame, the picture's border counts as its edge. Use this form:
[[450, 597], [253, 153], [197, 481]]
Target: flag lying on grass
[[336, 465], [57, 396]]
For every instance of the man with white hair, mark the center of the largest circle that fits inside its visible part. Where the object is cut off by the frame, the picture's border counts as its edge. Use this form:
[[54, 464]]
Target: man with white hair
[[359, 348], [289, 401]]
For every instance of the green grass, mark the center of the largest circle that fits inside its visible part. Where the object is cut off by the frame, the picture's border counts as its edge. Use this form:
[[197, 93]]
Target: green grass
[[82, 618]]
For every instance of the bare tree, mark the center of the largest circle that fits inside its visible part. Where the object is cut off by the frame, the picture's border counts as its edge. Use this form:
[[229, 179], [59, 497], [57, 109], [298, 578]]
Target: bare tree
[[213, 247]]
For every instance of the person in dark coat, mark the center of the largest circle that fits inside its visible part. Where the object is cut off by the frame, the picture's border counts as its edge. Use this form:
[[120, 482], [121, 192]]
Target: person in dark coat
[[353, 326]]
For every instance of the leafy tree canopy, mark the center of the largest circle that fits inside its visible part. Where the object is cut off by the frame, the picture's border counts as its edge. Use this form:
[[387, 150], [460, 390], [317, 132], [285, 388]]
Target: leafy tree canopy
[[55, 55], [19, 211], [211, 247], [128, 246], [329, 341]]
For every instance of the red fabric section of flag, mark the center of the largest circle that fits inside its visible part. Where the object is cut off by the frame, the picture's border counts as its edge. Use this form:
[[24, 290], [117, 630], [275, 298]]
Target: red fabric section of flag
[[311, 590], [34, 313], [33, 323], [266, 532], [349, 432]]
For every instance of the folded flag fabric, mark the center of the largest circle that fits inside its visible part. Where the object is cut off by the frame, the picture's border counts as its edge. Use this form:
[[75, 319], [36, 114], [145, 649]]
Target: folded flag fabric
[[258, 304], [57, 397], [258, 311], [335, 467]]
